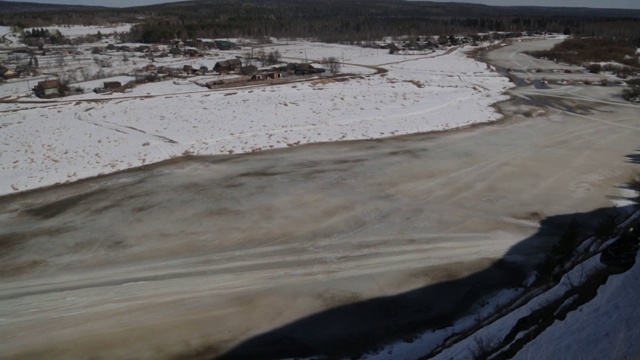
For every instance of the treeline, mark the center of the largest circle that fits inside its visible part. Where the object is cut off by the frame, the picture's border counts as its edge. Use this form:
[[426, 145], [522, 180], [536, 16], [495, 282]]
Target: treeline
[[341, 21]]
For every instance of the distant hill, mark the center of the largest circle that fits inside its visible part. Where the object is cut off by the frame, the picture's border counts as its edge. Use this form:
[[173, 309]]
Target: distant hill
[[329, 20], [10, 7], [457, 9]]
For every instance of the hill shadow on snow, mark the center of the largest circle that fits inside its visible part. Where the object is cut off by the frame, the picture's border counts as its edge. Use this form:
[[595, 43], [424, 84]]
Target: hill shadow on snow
[[354, 329]]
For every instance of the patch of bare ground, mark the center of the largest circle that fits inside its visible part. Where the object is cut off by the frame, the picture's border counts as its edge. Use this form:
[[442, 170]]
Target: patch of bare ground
[[9, 269]]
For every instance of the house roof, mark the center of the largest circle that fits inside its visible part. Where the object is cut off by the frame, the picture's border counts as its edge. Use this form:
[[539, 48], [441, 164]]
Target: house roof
[[235, 62], [49, 84]]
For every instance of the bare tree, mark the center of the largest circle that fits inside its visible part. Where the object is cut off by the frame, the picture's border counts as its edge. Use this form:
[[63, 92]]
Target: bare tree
[[332, 63], [273, 57], [260, 55]]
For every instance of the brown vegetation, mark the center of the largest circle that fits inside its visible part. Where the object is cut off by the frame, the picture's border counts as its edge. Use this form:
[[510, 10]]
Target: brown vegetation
[[590, 52]]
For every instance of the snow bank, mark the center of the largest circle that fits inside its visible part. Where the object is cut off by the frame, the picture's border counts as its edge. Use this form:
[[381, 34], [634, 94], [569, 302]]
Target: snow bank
[[604, 328]]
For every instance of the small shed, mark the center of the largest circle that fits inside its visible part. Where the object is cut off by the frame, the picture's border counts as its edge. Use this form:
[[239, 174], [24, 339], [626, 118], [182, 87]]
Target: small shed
[[47, 88], [112, 85], [191, 52], [225, 45], [248, 70], [150, 68], [203, 69], [188, 69], [10, 74], [222, 66]]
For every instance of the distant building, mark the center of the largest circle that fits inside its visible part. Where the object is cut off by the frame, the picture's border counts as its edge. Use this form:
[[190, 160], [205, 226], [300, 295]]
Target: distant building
[[112, 85], [228, 66], [47, 88], [248, 70], [225, 45], [302, 69], [10, 74], [191, 52]]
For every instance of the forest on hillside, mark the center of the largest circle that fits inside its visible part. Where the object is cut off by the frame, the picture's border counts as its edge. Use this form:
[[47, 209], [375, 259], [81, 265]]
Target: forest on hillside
[[337, 21]]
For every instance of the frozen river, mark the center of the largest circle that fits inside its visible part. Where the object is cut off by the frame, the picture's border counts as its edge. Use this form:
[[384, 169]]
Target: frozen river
[[198, 255]]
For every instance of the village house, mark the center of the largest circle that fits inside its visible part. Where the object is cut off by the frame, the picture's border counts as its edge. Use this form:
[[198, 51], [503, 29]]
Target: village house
[[191, 52], [228, 66], [187, 69], [47, 88], [302, 69], [225, 45]]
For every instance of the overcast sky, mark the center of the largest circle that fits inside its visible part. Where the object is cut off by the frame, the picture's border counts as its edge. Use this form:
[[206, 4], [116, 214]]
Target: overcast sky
[[620, 4]]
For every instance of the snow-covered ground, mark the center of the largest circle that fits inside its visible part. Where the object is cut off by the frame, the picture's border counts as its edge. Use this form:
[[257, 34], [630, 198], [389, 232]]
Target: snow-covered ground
[[44, 143], [604, 328]]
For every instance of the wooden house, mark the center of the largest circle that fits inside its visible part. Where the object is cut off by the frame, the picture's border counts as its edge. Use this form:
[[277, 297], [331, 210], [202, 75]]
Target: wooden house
[[228, 66], [47, 88]]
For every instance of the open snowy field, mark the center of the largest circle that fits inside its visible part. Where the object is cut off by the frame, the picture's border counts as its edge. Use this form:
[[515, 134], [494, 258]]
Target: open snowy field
[[48, 142]]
